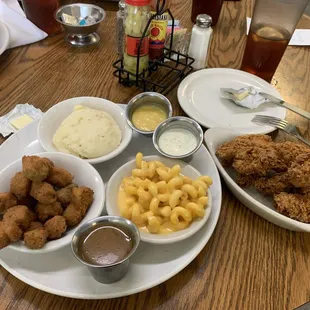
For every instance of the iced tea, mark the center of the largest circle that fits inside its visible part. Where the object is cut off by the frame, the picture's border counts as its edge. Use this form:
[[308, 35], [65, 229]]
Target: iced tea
[[264, 50]]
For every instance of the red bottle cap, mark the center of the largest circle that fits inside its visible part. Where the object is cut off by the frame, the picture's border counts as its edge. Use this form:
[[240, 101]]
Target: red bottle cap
[[138, 2]]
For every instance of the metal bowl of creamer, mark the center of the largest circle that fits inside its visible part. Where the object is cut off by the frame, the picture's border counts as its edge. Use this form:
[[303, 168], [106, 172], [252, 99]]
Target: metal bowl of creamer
[[143, 100], [178, 137]]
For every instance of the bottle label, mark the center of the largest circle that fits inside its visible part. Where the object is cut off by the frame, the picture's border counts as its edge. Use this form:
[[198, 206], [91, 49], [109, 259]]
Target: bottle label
[[132, 45]]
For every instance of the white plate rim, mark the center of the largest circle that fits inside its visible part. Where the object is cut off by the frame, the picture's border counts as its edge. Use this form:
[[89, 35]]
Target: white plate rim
[[298, 225], [6, 38], [186, 107], [199, 247]]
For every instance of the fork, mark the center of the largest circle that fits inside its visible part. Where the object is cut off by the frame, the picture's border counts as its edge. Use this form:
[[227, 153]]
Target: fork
[[281, 124]]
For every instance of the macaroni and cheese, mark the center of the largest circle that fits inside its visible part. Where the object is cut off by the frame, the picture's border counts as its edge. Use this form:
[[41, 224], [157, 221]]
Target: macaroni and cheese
[[159, 199]]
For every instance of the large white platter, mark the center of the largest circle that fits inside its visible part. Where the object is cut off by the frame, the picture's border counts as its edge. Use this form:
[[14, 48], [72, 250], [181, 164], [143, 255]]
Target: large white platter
[[4, 37], [61, 274], [199, 97]]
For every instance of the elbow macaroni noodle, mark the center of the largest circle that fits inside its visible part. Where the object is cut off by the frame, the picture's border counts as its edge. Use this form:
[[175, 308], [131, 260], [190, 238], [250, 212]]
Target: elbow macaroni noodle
[[161, 200]]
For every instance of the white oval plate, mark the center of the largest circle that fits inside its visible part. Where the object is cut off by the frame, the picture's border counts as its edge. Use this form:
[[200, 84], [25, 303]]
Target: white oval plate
[[199, 97], [125, 171], [4, 38], [61, 274], [261, 205]]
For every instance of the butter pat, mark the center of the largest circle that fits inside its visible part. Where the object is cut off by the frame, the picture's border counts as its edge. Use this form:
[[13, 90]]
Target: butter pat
[[21, 121]]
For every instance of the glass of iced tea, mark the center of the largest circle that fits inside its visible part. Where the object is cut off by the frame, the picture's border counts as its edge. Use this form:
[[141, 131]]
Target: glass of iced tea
[[273, 24], [41, 13]]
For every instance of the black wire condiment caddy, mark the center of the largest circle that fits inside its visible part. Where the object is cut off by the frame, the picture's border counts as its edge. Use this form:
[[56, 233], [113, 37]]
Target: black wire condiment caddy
[[162, 74]]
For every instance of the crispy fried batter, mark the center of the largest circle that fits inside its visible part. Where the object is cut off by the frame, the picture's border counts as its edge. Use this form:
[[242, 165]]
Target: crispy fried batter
[[59, 177], [4, 239], [64, 195], [7, 200], [245, 180], [55, 227], [21, 215], [73, 215], [288, 151], [35, 225], [35, 168], [20, 185], [46, 211], [273, 185], [293, 205], [299, 172], [258, 160], [227, 151], [82, 197], [12, 230], [43, 192], [35, 238]]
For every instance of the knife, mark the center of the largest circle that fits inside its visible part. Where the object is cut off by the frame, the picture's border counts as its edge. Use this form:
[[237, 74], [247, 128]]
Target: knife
[[282, 103]]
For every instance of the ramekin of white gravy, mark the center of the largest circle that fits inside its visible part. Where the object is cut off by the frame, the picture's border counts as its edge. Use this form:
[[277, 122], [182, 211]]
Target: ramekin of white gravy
[[178, 137]]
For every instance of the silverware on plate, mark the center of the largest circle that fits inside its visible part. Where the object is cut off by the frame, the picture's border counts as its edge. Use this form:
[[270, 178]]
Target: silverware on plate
[[284, 104], [281, 124]]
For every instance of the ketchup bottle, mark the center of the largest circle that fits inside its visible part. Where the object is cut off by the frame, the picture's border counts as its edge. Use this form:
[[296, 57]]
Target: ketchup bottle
[[210, 7]]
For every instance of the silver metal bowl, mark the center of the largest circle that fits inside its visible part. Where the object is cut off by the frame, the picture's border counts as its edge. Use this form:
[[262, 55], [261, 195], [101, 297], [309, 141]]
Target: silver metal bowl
[[178, 122], [79, 34], [143, 99], [113, 272]]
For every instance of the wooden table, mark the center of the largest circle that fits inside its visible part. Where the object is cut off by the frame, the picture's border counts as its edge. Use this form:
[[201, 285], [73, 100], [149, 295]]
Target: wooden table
[[248, 263]]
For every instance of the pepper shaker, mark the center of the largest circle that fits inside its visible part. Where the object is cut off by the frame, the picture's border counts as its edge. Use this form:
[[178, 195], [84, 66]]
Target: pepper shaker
[[199, 44], [120, 18]]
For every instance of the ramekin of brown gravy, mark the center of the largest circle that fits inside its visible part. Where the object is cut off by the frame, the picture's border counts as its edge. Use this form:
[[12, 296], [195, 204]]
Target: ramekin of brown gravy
[[104, 245]]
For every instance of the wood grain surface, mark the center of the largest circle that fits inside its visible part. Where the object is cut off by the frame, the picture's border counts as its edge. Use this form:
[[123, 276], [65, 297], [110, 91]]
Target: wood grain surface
[[248, 263]]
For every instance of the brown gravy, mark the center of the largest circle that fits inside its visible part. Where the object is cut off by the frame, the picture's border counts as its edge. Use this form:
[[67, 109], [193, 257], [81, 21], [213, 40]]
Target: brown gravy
[[105, 245]]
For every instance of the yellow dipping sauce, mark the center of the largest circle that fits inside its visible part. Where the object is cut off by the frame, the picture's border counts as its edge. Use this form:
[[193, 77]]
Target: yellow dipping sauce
[[148, 117]]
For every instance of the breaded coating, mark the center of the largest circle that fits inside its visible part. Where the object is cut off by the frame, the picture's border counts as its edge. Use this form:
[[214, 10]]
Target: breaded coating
[[21, 215], [48, 162], [258, 160], [7, 200], [288, 151], [294, 205], [35, 225], [20, 185], [35, 168], [43, 192], [12, 230], [299, 172], [82, 197], [46, 211], [227, 151], [36, 238], [73, 215], [59, 177], [55, 227], [273, 185], [64, 195], [4, 239], [245, 180]]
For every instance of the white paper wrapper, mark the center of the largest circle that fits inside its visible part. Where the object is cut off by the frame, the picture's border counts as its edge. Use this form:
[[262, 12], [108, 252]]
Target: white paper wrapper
[[247, 97], [21, 109]]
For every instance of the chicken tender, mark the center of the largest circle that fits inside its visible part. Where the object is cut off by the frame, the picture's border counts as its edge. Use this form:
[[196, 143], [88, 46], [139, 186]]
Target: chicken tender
[[36, 238], [35, 168], [55, 227], [288, 151], [245, 180], [43, 192], [7, 200], [227, 151], [82, 197], [273, 185], [35, 225], [21, 215], [258, 160], [295, 206], [12, 230], [4, 239], [73, 215], [299, 172], [20, 185], [59, 177], [64, 195], [46, 211]]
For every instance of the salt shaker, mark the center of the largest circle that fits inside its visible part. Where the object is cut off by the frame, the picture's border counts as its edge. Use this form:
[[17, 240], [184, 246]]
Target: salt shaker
[[201, 36], [120, 18]]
